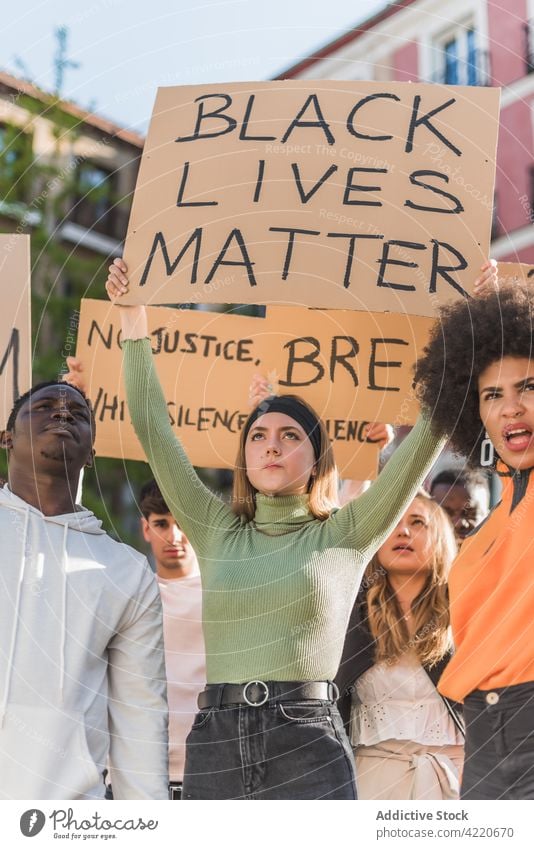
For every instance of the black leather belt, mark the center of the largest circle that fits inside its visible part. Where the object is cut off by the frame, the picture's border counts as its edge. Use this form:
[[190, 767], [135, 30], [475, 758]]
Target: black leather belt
[[258, 693]]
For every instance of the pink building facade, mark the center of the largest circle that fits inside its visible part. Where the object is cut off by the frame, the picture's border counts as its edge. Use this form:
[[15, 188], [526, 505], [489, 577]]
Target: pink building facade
[[459, 42]]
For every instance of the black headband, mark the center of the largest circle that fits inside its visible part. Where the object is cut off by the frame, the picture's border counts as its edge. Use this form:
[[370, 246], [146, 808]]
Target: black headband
[[297, 411]]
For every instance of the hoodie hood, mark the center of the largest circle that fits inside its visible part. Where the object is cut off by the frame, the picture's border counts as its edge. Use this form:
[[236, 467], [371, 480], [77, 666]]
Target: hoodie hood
[[82, 520]]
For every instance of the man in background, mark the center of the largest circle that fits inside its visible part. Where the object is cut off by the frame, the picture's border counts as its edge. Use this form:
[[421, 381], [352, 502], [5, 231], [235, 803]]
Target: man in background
[[180, 588], [465, 497]]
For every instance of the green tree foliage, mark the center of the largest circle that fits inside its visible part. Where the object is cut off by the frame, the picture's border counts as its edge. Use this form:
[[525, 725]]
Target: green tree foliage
[[37, 196]]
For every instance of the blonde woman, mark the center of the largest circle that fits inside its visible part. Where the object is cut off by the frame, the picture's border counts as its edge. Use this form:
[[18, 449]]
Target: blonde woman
[[408, 740]]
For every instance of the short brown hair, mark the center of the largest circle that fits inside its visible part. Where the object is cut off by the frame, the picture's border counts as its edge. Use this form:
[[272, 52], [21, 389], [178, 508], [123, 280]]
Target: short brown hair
[[151, 500], [323, 486]]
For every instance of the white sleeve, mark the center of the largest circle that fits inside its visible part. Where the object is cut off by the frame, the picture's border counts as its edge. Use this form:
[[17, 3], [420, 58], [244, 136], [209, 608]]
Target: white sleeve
[[137, 698]]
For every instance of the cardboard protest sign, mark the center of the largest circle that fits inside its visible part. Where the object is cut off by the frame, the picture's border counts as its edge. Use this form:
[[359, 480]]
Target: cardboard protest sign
[[512, 272], [15, 335], [339, 361], [348, 195], [345, 363]]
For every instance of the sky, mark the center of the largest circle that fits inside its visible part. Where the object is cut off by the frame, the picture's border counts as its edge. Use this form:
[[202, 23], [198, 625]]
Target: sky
[[126, 48]]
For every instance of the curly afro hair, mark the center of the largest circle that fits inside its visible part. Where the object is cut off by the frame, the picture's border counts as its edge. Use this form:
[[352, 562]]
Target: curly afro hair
[[468, 337]]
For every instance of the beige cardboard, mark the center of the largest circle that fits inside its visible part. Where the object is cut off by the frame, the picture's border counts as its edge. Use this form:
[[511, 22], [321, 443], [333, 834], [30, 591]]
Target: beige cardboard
[[512, 272], [15, 334], [205, 362], [347, 364], [272, 171]]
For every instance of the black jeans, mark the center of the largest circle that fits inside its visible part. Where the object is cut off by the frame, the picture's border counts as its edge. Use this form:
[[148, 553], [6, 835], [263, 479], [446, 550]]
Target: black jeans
[[285, 750], [499, 743]]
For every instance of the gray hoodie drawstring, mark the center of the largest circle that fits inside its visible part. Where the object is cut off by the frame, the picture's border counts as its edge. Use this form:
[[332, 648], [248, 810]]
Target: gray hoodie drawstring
[[63, 613], [13, 640]]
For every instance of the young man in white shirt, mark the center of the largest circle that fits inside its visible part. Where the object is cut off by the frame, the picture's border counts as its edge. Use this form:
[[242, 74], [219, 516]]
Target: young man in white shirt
[[181, 595]]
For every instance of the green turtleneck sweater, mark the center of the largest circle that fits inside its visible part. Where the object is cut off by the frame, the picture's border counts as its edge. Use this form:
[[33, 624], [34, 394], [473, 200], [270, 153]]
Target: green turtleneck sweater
[[277, 591]]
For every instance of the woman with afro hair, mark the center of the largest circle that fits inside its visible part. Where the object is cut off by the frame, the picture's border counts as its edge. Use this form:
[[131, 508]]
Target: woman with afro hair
[[476, 379]]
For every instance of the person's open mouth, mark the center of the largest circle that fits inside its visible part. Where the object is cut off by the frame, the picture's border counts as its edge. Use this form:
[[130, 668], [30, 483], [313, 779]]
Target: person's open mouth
[[517, 437]]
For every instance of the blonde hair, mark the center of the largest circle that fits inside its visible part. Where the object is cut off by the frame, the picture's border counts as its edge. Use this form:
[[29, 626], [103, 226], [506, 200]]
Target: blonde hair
[[431, 638], [323, 486]]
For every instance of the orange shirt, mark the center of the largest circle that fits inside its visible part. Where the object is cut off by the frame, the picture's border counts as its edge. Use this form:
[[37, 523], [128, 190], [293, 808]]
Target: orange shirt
[[491, 589]]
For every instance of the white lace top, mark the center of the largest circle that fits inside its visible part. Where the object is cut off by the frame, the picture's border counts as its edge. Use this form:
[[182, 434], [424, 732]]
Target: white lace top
[[399, 702]]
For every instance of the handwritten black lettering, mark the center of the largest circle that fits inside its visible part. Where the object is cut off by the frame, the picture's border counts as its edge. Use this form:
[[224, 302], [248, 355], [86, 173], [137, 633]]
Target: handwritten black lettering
[[319, 121], [170, 267], [386, 260], [306, 196], [243, 132], [439, 270], [230, 123], [417, 120], [12, 350], [338, 356], [292, 231], [181, 191], [374, 364], [350, 120], [245, 260], [350, 255], [259, 181], [309, 356], [356, 187], [416, 181], [107, 340], [108, 406]]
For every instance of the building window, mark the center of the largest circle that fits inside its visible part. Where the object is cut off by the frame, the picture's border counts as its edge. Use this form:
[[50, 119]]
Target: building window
[[529, 47], [450, 50], [458, 59], [93, 205], [16, 157]]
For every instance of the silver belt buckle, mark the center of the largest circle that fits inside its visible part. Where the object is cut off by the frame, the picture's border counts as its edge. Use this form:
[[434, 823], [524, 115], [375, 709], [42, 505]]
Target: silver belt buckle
[[260, 684], [335, 691]]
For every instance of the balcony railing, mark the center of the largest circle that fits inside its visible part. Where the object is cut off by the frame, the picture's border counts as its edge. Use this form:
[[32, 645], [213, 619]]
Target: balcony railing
[[475, 72]]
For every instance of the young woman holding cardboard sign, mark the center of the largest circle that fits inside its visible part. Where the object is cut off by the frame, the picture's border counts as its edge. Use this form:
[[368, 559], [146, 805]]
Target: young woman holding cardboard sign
[[280, 570]]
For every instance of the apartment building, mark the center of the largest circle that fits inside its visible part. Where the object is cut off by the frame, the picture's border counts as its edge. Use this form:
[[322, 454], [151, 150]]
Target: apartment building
[[458, 42]]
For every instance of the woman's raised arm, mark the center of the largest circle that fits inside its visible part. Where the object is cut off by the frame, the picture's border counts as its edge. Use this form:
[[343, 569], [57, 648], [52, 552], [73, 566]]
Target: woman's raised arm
[[197, 510]]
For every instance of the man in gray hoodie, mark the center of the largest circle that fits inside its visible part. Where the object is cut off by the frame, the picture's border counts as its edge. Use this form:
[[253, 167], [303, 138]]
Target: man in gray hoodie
[[82, 675]]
